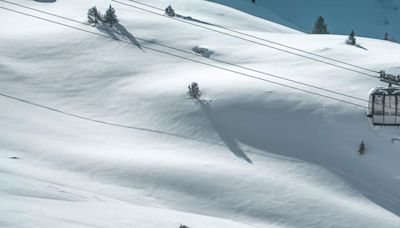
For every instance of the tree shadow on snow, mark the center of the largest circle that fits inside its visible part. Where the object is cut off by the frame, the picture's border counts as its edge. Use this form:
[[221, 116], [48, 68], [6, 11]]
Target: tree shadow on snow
[[222, 131], [189, 18], [117, 32], [308, 136], [359, 46]]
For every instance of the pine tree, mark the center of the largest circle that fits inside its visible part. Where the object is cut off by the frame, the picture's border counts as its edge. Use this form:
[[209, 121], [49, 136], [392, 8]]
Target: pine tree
[[94, 16], [352, 38], [194, 90], [386, 37], [170, 11], [110, 17], [361, 149], [320, 27]]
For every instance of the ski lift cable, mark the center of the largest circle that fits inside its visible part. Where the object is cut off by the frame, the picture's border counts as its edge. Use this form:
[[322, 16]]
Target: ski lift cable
[[214, 59], [273, 42], [192, 60], [266, 45]]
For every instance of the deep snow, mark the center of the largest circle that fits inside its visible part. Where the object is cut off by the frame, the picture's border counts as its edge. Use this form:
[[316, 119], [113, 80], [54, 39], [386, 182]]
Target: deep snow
[[251, 154]]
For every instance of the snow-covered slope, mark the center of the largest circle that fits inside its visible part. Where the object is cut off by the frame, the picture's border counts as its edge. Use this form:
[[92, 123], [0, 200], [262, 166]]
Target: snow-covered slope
[[250, 154], [369, 18]]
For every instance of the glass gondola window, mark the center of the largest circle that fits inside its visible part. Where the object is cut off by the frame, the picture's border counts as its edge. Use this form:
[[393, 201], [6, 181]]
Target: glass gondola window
[[378, 105], [390, 105]]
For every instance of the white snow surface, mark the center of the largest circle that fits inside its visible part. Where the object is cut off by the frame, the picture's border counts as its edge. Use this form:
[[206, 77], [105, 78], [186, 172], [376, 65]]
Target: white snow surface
[[123, 146]]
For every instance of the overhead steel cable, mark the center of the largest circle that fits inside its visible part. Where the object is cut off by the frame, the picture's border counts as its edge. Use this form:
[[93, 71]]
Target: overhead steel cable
[[189, 59], [273, 42], [258, 43], [150, 6], [214, 59]]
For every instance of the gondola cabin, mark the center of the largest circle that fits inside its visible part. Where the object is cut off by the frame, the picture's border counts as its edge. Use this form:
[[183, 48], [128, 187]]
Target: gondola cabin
[[384, 102], [384, 106]]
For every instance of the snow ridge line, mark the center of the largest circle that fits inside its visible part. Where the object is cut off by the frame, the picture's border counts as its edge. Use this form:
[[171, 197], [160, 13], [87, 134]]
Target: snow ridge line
[[262, 44]]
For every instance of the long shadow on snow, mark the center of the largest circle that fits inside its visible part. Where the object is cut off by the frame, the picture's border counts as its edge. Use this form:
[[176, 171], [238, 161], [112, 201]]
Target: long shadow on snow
[[117, 32], [310, 135], [195, 20], [283, 132], [222, 131]]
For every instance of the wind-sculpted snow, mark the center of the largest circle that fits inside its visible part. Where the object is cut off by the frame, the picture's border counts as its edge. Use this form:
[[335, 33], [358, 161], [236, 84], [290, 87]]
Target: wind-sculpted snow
[[101, 133]]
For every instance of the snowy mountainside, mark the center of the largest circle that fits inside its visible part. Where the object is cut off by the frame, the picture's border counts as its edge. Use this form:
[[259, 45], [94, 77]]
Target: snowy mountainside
[[121, 145], [368, 18]]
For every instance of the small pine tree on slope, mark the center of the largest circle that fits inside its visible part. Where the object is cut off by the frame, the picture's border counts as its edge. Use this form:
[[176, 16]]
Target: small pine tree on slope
[[194, 90], [94, 16], [320, 27], [361, 148], [352, 39], [170, 11], [386, 37], [110, 17]]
